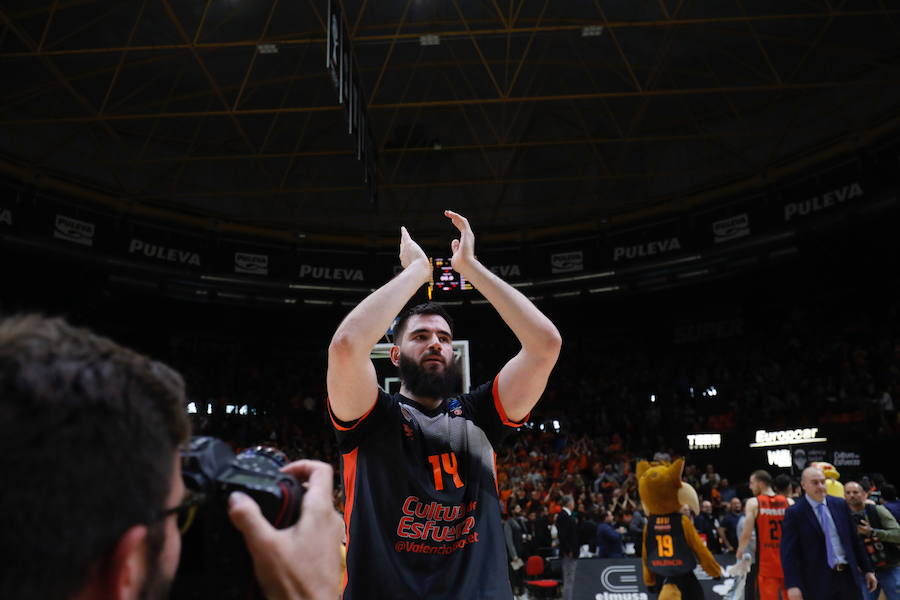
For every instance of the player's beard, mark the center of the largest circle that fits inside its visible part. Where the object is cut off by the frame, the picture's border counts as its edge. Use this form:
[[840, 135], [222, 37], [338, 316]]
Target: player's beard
[[437, 384]]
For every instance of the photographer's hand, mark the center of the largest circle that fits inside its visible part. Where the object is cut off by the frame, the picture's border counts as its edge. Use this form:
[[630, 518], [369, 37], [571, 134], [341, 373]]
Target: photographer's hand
[[302, 562]]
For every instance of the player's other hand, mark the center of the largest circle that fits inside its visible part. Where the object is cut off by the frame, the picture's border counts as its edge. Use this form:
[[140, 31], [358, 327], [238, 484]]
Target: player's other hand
[[795, 594], [412, 255], [303, 561], [463, 247]]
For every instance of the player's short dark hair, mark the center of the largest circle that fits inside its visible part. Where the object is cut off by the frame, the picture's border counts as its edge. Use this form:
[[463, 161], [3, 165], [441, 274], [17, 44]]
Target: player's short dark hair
[[89, 431], [428, 308], [889, 492], [762, 476], [781, 483]]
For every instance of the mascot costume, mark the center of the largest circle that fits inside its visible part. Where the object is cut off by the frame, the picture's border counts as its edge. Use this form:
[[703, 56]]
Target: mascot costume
[[833, 487], [672, 546]]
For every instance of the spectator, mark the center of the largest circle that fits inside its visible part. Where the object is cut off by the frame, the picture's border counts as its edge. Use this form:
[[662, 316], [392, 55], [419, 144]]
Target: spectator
[[690, 476], [568, 545], [587, 533], [708, 527], [729, 524], [514, 532], [636, 529], [542, 536], [726, 491], [607, 482], [709, 476], [609, 538], [782, 485], [889, 495]]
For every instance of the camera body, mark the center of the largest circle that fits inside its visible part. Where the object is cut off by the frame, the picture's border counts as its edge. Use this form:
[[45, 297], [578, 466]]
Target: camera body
[[209, 466], [874, 547], [214, 559]]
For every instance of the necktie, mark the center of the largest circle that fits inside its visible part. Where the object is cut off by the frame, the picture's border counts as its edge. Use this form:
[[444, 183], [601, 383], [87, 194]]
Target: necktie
[[826, 528]]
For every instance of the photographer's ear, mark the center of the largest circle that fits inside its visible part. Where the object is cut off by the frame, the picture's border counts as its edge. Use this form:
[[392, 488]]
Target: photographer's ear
[[127, 567]]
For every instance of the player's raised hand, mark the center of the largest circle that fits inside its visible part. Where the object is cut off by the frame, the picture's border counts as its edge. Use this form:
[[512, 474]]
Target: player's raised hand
[[411, 254], [463, 248]]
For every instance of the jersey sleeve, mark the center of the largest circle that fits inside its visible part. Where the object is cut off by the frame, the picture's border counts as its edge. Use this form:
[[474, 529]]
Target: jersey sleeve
[[482, 405], [350, 434]]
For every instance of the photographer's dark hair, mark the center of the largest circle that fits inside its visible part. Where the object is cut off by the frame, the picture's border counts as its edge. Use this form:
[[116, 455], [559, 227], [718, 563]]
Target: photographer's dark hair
[[89, 432], [428, 308]]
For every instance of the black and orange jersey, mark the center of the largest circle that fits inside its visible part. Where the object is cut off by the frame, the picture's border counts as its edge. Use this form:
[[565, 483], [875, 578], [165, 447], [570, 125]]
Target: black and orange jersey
[[769, 518], [668, 553], [422, 510]]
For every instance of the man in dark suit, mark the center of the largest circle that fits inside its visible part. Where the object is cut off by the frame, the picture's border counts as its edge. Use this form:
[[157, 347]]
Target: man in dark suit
[[568, 544], [821, 554], [609, 539]]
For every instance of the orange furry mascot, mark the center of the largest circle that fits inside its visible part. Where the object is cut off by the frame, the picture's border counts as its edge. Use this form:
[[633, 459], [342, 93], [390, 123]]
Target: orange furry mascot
[[672, 546]]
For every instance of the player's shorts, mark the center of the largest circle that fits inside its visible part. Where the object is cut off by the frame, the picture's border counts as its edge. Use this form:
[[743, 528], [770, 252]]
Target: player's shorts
[[769, 588]]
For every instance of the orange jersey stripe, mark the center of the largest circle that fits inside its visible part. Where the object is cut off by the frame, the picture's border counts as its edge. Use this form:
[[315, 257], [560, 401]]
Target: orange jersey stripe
[[349, 461]]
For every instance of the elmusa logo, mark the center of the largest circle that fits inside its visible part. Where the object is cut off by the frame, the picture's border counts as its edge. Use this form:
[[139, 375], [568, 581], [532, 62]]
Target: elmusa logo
[[73, 230], [257, 264]]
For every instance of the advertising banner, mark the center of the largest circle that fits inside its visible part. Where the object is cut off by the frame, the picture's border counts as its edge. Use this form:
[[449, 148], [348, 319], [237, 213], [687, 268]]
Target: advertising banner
[[647, 243], [73, 230], [622, 579], [827, 190], [332, 268], [164, 247]]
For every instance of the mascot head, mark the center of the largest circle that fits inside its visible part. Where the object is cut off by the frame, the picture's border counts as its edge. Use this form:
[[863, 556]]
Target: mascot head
[[662, 490], [832, 486]]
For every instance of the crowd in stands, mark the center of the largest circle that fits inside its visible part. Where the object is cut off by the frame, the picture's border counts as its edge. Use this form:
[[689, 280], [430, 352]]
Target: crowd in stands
[[614, 399]]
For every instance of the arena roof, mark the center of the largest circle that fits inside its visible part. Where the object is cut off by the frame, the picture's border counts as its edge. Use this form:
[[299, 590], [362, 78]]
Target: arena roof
[[530, 116]]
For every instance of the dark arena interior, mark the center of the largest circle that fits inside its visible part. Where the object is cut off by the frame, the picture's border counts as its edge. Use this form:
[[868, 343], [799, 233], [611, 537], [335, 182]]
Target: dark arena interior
[[701, 196]]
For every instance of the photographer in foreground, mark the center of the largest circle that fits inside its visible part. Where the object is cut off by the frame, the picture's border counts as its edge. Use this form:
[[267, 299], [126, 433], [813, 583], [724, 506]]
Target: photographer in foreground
[[89, 448], [880, 534]]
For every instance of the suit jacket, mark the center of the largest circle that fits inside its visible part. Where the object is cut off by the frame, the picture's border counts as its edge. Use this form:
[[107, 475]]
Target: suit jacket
[[803, 555], [568, 536], [609, 542]]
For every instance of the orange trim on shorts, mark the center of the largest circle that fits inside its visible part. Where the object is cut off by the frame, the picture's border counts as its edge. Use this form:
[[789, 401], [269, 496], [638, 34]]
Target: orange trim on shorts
[[340, 427], [498, 406], [349, 463]]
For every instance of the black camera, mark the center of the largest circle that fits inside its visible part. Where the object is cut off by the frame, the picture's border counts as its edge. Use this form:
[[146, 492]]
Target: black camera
[[873, 546], [214, 560]]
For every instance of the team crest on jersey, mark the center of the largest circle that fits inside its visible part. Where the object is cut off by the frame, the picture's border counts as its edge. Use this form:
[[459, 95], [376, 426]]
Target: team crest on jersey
[[408, 431], [454, 407]]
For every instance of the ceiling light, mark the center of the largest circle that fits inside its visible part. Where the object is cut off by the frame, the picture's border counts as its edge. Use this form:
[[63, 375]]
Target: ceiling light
[[267, 48], [592, 31], [431, 39]]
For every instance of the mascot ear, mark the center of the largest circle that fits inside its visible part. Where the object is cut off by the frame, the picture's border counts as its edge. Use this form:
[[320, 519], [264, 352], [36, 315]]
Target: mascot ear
[[688, 495], [642, 468], [675, 471]]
